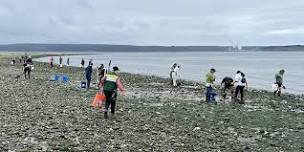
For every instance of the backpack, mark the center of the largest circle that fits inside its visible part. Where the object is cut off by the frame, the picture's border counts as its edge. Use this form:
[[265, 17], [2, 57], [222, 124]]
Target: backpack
[[243, 80]]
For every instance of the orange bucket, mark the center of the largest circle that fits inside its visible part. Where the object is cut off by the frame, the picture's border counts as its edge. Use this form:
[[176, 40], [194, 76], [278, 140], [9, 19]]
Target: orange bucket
[[98, 100]]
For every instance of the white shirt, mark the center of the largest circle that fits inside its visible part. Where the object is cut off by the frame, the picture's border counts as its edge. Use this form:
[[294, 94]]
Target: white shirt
[[176, 71], [238, 80]]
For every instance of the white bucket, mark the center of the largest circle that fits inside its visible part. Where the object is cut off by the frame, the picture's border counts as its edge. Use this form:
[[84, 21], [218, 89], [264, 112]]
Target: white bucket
[[274, 87]]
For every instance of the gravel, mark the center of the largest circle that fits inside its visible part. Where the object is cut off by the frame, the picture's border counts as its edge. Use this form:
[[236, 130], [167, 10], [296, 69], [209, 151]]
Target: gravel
[[43, 115]]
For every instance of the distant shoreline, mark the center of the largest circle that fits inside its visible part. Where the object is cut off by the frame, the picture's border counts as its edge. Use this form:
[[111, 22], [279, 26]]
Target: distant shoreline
[[33, 47]]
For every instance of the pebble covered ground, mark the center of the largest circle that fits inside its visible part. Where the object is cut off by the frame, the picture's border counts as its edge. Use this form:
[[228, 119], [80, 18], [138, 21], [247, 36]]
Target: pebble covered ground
[[43, 115]]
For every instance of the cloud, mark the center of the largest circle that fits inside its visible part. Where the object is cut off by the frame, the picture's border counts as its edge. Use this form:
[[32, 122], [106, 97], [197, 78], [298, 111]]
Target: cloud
[[152, 22], [296, 31]]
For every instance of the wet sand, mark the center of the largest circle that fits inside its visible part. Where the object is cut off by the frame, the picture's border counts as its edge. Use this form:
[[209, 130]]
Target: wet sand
[[43, 115]]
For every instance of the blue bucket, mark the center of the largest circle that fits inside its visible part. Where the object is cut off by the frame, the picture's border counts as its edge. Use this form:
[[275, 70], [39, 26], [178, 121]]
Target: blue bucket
[[65, 79], [56, 77]]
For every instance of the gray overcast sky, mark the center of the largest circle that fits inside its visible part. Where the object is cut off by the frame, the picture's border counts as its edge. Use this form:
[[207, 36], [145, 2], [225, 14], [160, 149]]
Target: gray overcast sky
[[153, 22]]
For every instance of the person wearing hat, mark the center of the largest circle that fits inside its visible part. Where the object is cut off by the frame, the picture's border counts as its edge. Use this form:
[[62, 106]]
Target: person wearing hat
[[210, 78], [279, 82], [110, 83]]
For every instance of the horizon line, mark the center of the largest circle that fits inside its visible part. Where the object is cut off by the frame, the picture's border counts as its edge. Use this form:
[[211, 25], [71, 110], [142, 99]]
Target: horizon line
[[150, 45]]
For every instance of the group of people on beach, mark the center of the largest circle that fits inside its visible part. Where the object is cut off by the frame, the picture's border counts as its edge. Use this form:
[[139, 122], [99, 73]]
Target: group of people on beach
[[235, 86], [87, 70], [27, 63], [51, 61], [22, 59], [240, 82], [110, 82]]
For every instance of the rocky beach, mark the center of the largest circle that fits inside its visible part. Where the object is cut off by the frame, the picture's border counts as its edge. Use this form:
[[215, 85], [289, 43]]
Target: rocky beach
[[38, 114]]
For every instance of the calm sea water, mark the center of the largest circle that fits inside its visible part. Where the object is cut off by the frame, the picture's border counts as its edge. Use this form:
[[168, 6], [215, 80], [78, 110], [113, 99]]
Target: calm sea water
[[259, 67]]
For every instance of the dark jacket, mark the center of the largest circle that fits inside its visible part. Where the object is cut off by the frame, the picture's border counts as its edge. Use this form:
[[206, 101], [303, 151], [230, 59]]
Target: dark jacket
[[88, 72]]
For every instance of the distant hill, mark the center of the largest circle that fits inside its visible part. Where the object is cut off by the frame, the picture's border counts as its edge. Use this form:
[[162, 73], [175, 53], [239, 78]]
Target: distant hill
[[130, 48], [283, 48], [104, 48]]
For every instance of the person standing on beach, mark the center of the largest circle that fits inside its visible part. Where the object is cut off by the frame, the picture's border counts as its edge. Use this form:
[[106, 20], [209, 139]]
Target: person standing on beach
[[279, 82], [210, 78], [52, 62], [29, 60], [68, 62], [23, 59], [60, 61], [88, 74], [101, 72], [241, 82], [82, 63], [175, 75], [110, 83], [28, 68], [13, 61], [227, 84], [172, 72], [91, 61]]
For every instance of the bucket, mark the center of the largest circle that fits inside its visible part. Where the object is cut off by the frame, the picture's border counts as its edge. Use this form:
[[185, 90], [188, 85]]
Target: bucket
[[83, 84], [98, 100], [65, 79], [274, 87], [56, 77]]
